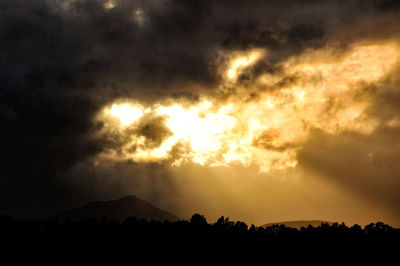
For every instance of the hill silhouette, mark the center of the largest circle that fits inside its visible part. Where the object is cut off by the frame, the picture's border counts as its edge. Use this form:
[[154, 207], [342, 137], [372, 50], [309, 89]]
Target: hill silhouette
[[299, 224], [120, 209]]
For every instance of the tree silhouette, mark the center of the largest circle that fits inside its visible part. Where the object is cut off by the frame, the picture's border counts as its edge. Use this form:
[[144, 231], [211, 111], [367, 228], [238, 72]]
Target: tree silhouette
[[198, 219], [222, 236]]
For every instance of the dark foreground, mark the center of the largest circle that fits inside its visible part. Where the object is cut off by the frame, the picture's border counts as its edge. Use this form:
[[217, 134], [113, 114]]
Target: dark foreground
[[195, 238]]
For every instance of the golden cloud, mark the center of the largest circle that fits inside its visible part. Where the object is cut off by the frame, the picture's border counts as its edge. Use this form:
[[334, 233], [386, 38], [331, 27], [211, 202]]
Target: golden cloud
[[266, 130]]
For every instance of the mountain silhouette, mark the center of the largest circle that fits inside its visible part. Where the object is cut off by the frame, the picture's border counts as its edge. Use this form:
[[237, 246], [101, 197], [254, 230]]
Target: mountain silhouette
[[120, 209], [299, 224]]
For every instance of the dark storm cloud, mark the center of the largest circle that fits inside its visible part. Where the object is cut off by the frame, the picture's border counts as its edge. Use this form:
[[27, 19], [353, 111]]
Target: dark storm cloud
[[388, 5], [154, 131], [62, 61]]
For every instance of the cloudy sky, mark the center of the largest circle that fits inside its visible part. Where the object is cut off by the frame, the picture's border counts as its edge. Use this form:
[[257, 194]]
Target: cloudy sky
[[259, 110]]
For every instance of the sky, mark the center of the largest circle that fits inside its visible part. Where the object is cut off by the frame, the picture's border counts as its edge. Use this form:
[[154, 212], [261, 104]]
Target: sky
[[262, 111]]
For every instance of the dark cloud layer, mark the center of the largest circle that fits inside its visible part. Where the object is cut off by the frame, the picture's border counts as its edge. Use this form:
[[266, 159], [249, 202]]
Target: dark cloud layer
[[62, 61]]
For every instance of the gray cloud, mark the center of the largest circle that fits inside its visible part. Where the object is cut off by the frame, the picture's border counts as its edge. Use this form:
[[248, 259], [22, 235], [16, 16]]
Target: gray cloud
[[154, 130]]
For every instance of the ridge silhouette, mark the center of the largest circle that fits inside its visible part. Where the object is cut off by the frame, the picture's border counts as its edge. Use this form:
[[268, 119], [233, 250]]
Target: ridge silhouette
[[120, 209]]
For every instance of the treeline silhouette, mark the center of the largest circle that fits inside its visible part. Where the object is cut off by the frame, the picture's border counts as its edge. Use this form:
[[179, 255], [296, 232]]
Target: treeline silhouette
[[197, 225], [195, 235]]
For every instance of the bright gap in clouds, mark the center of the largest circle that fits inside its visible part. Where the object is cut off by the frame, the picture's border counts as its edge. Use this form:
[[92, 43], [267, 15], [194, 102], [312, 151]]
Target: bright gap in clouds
[[269, 130], [109, 4], [126, 113], [242, 61]]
